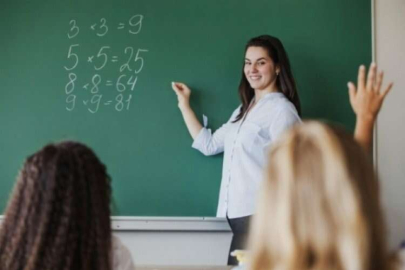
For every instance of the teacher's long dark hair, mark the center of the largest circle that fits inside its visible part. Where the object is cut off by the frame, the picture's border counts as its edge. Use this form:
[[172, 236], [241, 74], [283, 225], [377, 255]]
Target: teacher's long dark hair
[[58, 216], [285, 80]]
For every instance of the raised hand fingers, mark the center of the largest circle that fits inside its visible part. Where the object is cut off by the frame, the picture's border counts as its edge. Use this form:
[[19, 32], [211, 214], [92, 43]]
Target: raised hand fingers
[[352, 89], [352, 92], [361, 78], [371, 77], [387, 90], [379, 81]]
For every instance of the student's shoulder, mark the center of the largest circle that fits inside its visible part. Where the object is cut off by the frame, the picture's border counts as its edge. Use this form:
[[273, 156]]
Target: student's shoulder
[[122, 258]]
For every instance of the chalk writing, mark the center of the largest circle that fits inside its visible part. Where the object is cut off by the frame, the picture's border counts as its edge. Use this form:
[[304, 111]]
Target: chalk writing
[[113, 83]]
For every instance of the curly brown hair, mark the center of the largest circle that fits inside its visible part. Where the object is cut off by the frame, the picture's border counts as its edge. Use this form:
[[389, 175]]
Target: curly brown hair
[[59, 214]]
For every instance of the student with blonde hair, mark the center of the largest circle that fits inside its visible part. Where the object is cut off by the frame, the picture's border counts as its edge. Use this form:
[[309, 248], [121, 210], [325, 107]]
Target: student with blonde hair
[[319, 206]]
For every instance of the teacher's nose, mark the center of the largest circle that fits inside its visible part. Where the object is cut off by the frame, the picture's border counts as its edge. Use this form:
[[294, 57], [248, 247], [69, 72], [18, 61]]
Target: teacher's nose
[[253, 68]]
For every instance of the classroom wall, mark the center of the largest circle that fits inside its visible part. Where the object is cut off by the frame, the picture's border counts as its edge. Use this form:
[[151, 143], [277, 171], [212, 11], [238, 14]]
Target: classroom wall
[[390, 56]]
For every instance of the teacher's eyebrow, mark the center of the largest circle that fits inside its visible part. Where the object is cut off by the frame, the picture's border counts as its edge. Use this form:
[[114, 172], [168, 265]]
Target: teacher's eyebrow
[[261, 58]]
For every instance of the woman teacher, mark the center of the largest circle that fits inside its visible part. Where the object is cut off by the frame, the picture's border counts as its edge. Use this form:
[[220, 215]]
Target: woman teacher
[[270, 105]]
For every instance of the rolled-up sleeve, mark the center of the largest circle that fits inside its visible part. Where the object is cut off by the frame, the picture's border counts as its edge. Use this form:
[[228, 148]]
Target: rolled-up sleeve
[[210, 144]]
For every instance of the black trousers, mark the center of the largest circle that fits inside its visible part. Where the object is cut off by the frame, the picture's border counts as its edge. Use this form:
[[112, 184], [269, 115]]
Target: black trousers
[[240, 230]]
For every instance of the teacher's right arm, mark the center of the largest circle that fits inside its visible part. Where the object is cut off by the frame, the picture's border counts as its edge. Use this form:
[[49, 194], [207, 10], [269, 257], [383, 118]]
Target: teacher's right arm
[[204, 141], [183, 96]]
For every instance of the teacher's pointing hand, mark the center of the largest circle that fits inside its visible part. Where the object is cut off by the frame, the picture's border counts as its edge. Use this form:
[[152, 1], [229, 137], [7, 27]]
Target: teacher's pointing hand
[[183, 94]]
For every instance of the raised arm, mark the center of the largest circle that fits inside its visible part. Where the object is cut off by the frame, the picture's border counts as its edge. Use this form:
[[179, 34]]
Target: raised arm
[[366, 100], [183, 95]]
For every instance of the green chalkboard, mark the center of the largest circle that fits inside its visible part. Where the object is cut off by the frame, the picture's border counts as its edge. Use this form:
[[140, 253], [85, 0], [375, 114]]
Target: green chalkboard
[[100, 72]]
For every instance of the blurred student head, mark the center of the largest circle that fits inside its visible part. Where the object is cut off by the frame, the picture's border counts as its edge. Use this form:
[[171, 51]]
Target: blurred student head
[[319, 206]]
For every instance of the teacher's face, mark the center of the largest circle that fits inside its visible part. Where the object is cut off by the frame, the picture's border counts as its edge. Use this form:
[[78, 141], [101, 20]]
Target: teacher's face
[[259, 69]]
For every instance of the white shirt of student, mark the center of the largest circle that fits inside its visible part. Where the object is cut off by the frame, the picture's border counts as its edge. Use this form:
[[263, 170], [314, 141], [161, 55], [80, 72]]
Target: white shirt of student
[[121, 257], [245, 145]]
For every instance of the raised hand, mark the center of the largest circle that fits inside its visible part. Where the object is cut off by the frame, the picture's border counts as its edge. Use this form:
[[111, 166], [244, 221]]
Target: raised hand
[[366, 99]]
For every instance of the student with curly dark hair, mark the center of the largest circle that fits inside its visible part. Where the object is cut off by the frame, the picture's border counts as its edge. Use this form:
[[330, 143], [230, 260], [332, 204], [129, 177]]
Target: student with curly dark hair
[[59, 214]]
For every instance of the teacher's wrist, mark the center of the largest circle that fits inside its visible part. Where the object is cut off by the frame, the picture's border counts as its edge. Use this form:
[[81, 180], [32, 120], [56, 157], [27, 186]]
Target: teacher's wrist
[[184, 107]]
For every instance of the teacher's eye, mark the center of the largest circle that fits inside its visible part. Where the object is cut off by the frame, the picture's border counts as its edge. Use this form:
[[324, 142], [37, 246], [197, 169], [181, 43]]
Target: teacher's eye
[[247, 63], [262, 63]]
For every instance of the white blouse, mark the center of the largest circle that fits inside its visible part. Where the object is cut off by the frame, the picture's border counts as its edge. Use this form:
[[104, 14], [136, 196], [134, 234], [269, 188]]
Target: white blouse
[[245, 145]]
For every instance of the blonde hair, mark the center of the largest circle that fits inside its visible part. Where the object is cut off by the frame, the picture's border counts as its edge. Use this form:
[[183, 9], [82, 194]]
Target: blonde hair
[[319, 206]]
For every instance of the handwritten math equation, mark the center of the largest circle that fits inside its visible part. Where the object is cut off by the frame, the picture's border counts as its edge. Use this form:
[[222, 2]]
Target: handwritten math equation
[[98, 92]]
